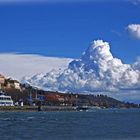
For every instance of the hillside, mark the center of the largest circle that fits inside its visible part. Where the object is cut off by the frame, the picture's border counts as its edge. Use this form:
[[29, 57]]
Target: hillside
[[32, 96]]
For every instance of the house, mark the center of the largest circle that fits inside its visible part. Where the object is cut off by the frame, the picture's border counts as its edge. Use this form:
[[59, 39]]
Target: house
[[16, 84], [2, 80], [60, 98], [13, 84]]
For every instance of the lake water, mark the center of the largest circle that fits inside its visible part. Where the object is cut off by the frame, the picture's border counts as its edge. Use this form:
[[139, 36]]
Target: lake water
[[109, 124]]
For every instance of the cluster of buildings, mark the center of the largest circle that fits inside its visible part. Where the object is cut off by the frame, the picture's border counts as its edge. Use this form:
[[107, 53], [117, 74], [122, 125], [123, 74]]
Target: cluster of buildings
[[55, 98], [9, 83]]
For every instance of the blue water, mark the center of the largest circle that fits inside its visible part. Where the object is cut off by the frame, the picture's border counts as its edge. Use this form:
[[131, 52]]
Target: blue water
[[112, 124]]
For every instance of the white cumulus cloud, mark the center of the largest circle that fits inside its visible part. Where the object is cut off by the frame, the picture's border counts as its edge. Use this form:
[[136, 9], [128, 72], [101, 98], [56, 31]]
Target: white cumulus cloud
[[134, 30], [96, 71]]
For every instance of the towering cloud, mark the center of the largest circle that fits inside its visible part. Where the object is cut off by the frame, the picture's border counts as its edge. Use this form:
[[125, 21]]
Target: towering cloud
[[96, 71], [134, 30]]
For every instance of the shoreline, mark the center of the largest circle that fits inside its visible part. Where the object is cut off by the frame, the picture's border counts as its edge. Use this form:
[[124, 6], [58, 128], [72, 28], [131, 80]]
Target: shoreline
[[35, 108], [50, 108]]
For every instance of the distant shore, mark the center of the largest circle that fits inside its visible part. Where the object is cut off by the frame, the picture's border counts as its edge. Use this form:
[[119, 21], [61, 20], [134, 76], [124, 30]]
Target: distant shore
[[47, 108], [35, 108]]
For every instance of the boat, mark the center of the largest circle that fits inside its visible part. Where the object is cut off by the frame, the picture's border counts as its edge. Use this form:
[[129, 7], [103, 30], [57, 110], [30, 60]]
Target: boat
[[5, 100], [82, 108]]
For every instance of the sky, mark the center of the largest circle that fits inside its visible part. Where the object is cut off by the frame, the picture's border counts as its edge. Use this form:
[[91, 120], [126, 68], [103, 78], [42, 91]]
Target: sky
[[107, 31], [66, 28]]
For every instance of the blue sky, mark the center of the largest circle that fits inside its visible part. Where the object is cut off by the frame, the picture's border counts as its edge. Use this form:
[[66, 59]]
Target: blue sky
[[65, 29]]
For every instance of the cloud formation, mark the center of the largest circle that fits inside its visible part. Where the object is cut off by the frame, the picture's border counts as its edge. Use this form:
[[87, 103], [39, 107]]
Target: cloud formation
[[20, 65], [134, 30], [96, 71]]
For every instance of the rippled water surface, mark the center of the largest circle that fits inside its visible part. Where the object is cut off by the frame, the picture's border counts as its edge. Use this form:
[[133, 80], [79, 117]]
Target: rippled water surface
[[112, 124]]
